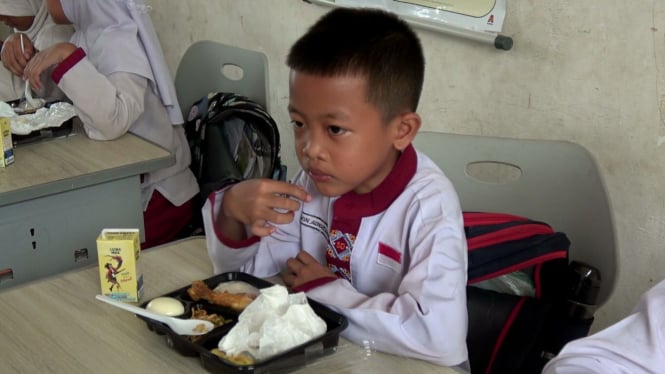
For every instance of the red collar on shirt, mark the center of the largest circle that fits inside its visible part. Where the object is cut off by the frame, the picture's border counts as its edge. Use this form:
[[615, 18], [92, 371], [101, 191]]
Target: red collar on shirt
[[353, 205]]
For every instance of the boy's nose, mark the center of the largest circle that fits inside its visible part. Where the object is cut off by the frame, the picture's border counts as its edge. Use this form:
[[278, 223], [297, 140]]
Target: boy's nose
[[312, 148]]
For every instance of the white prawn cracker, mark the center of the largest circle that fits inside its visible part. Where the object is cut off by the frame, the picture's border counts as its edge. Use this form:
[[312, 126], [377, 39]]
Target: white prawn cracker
[[274, 323], [237, 287]]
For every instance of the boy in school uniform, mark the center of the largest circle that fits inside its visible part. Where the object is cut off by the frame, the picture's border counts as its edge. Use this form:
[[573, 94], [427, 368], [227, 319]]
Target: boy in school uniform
[[370, 226], [634, 345]]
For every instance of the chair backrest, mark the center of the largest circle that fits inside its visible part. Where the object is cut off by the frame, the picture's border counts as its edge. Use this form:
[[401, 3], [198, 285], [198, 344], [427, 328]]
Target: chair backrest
[[209, 66], [556, 182]]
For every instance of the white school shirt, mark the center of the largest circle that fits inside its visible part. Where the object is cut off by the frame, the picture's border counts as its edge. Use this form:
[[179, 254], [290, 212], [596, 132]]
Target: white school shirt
[[43, 33], [634, 345], [399, 253], [111, 106]]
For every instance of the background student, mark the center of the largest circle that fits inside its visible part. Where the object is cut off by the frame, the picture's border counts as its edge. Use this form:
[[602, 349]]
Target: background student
[[370, 226], [634, 345], [30, 19], [114, 73]]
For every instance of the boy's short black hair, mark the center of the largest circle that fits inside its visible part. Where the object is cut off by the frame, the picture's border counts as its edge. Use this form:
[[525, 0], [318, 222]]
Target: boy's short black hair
[[370, 42]]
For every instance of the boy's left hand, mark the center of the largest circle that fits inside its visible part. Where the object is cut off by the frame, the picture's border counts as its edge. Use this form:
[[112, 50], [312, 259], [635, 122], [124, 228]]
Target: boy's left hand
[[303, 269]]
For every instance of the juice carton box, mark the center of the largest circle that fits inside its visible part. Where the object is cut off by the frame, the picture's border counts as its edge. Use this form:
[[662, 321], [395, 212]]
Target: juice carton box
[[7, 157], [119, 252]]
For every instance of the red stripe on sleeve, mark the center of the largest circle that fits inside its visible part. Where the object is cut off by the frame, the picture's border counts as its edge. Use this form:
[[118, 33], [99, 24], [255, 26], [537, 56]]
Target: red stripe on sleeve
[[67, 64], [313, 284]]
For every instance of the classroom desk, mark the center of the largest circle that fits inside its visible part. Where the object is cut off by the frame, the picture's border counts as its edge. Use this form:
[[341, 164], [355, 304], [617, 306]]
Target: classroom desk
[[60, 193], [55, 325]]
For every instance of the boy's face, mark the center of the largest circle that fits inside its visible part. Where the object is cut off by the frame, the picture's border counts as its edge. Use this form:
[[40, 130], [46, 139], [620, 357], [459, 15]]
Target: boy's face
[[341, 140]]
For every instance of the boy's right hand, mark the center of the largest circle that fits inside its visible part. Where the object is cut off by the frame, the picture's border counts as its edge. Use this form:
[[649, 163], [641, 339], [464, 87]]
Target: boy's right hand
[[263, 202]]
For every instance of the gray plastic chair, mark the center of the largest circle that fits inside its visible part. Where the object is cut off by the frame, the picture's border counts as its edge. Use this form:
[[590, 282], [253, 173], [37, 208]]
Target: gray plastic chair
[[556, 182], [209, 66]]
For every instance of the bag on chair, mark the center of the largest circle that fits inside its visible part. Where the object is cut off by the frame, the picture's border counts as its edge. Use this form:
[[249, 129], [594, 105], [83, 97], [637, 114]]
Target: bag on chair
[[232, 138], [518, 281]]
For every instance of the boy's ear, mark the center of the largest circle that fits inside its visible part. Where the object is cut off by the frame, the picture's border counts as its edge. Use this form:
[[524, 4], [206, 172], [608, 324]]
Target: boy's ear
[[406, 129]]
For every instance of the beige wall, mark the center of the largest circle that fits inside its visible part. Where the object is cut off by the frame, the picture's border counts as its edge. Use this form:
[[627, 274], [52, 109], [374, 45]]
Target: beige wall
[[592, 72]]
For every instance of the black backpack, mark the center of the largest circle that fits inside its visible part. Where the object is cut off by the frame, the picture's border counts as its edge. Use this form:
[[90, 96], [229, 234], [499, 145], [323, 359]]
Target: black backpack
[[232, 138], [522, 293]]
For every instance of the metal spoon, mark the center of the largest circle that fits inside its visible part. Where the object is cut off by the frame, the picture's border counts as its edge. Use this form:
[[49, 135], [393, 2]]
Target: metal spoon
[[178, 325]]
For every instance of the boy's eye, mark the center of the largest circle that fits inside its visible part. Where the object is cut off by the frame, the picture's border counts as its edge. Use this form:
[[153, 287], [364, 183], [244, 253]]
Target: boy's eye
[[297, 124], [336, 130]]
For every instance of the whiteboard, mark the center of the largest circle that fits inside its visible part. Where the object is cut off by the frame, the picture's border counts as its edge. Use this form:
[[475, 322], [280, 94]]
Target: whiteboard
[[472, 8], [481, 20]]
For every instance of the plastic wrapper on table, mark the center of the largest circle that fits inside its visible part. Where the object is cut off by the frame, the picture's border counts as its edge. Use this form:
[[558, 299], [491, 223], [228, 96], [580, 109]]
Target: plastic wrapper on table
[[52, 115]]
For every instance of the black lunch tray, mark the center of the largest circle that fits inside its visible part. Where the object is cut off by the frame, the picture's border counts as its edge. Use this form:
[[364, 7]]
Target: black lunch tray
[[201, 346]]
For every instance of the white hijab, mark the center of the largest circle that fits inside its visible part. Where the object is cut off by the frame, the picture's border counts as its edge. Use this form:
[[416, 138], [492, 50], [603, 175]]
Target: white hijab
[[118, 36], [22, 8]]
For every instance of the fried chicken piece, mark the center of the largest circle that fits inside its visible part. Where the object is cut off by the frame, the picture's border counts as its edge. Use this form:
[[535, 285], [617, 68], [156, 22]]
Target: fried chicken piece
[[236, 301]]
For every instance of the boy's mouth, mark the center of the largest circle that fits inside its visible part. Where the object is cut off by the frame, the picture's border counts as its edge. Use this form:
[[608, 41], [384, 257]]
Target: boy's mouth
[[319, 176]]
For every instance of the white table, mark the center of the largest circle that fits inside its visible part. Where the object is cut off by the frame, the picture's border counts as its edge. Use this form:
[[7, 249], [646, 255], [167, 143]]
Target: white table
[[55, 325], [60, 193]]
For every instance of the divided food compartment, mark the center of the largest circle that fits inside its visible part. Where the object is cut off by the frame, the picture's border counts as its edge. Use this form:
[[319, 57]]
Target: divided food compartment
[[202, 345]]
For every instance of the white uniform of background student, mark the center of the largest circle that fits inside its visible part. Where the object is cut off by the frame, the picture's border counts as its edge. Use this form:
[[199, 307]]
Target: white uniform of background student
[[114, 72], [634, 345], [403, 286], [42, 33]]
